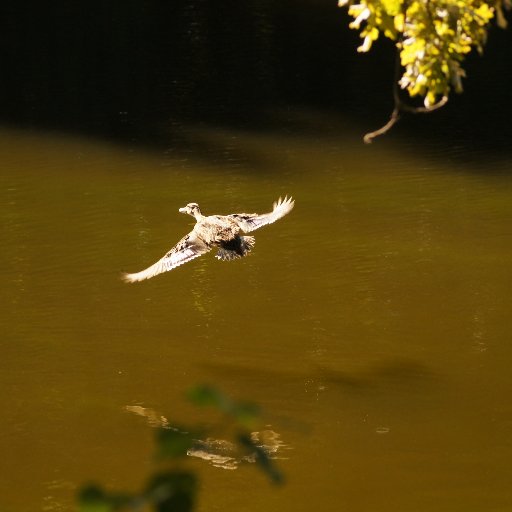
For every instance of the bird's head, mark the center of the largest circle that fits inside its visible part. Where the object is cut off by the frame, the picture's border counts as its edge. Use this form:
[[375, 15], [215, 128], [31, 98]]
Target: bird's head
[[192, 209]]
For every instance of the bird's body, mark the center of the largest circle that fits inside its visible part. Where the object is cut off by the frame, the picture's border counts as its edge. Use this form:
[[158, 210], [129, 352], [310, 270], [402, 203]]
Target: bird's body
[[214, 231]]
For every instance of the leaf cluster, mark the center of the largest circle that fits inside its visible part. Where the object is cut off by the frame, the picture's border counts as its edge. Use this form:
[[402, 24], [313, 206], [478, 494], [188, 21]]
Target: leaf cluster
[[432, 37]]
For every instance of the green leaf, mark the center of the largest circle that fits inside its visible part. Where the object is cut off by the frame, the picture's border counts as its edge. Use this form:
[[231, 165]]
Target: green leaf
[[174, 491], [429, 35], [246, 413], [242, 412], [208, 396], [173, 443], [392, 7], [262, 459], [93, 499]]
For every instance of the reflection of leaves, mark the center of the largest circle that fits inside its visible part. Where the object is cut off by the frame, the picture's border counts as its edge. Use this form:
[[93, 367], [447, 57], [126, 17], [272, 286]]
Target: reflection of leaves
[[262, 458], [244, 413]]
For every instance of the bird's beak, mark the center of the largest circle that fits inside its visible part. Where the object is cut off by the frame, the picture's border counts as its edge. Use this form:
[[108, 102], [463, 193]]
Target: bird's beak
[[182, 210]]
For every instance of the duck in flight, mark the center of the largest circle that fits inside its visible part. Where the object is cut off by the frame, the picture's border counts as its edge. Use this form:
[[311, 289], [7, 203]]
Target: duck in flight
[[215, 231]]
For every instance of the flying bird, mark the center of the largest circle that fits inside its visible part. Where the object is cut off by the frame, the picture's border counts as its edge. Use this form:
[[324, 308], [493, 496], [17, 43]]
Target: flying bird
[[214, 231]]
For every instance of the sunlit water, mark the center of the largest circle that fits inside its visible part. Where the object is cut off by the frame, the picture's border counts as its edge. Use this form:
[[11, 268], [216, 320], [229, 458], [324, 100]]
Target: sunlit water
[[372, 324]]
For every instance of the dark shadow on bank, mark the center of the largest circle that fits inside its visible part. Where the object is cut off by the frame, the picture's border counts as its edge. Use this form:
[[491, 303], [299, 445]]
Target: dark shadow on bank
[[141, 72]]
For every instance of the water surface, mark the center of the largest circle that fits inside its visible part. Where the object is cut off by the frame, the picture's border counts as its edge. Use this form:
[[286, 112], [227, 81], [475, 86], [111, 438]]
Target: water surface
[[371, 324]]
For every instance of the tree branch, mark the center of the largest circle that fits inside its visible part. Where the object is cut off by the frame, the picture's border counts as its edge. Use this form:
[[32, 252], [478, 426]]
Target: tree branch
[[393, 119], [400, 106]]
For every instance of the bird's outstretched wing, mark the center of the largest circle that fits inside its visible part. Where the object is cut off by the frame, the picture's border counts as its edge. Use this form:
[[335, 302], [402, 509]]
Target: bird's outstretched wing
[[188, 248], [252, 221]]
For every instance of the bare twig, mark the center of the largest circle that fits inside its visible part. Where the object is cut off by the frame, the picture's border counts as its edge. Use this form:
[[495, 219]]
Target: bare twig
[[400, 106], [395, 116]]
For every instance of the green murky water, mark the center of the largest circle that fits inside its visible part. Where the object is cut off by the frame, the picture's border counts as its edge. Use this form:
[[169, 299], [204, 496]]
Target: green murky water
[[372, 324]]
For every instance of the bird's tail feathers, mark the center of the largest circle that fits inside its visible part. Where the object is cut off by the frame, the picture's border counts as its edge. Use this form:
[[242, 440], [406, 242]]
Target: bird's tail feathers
[[233, 251]]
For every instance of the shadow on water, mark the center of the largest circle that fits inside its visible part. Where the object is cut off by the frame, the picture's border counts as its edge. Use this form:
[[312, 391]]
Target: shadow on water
[[155, 68], [399, 374], [402, 373]]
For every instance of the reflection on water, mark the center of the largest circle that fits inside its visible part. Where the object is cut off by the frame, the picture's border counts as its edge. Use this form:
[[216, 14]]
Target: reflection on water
[[218, 452], [153, 419], [223, 454], [372, 326]]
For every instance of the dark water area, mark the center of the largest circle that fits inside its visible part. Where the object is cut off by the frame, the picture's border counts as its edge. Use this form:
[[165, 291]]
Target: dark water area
[[136, 70]]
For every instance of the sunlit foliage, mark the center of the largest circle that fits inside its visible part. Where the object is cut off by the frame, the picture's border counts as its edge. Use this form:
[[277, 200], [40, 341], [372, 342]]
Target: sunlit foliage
[[432, 37]]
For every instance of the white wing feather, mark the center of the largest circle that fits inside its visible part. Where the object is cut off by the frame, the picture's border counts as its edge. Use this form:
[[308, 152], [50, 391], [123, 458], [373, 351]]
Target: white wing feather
[[188, 248], [191, 246], [251, 221]]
